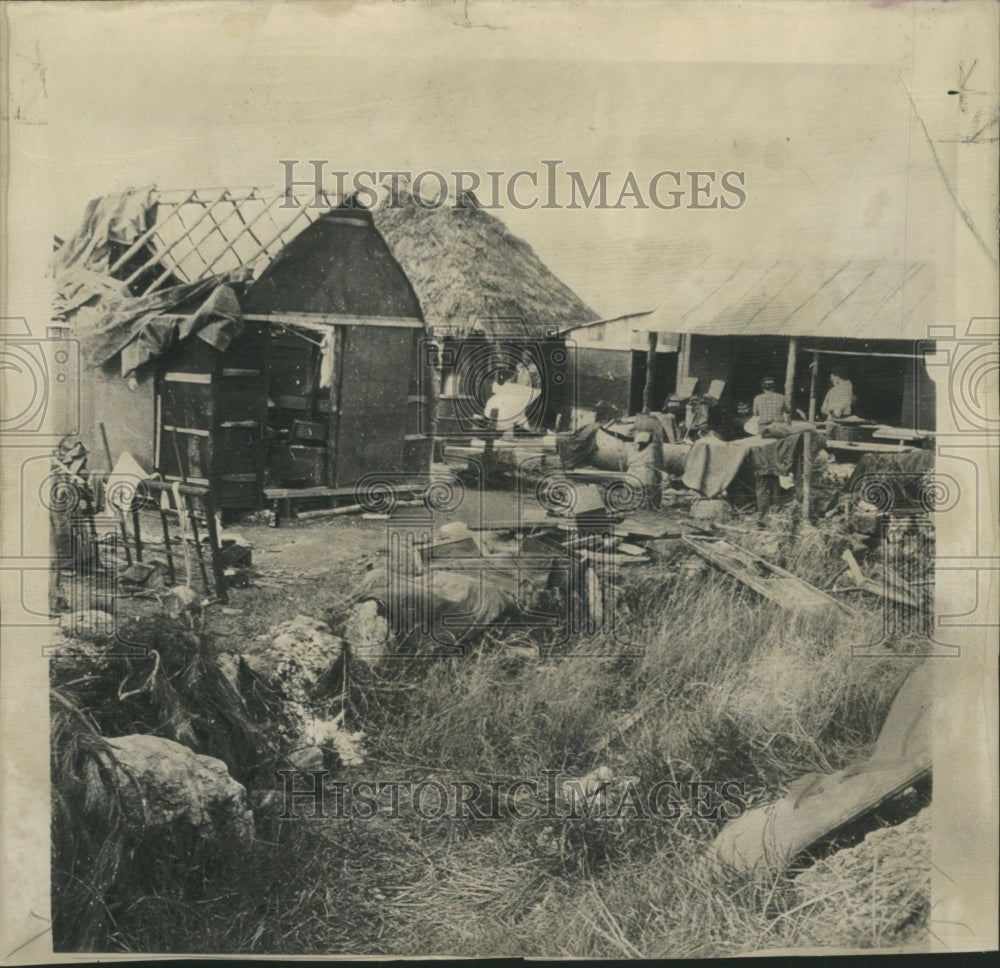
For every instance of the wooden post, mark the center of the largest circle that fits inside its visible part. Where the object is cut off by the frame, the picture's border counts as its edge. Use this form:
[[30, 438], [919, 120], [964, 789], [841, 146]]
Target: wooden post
[[793, 345], [333, 417], [807, 476], [814, 368], [647, 389], [166, 539], [215, 547]]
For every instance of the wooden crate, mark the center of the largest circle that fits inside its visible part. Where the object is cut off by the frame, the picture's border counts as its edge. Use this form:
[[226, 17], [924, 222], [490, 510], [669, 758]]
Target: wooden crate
[[292, 464]]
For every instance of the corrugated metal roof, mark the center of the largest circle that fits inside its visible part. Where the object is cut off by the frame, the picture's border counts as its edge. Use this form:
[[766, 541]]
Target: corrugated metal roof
[[860, 300]]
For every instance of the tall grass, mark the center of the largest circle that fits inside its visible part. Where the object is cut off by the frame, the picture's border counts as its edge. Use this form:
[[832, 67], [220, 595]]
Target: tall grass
[[703, 680]]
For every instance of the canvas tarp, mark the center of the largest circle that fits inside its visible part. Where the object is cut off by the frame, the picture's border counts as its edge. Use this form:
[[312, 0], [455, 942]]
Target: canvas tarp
[[144, 328], [893, 480], [108, 221], [713, 464], [768, 838]]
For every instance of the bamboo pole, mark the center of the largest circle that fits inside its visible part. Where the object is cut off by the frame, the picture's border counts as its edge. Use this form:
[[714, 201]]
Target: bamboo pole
[[230, 247], [263, 250], [119, 512], [145, 237], [194, 246]]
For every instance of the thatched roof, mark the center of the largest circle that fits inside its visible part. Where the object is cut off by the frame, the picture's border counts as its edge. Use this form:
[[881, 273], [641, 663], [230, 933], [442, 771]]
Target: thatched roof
[[471, 273]]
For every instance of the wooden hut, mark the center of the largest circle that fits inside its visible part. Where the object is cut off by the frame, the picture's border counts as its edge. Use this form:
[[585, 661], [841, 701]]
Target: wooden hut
[[309, 375], [344, 335]]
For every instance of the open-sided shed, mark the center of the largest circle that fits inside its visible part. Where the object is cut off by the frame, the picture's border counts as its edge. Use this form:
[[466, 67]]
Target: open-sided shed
[[795, 322]]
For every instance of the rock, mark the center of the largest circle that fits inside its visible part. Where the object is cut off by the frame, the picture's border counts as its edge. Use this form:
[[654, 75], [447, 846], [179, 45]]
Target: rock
[[92, 622], [874, 894], [164, 784], [306, 643], [711, 510], [367, 632], [307, 758]]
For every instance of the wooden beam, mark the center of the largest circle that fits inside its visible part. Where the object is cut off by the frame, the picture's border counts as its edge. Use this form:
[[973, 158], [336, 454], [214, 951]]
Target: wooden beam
[[145, 237], [333, 418], [314, 320]]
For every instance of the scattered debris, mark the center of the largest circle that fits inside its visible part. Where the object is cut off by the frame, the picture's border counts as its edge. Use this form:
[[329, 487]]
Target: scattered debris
[[884, 589], [92, 622], [711, 509], [183, 600]]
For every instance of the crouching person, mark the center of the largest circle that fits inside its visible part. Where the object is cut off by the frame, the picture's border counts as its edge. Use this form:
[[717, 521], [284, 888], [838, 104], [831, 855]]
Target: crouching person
[[646, 459]]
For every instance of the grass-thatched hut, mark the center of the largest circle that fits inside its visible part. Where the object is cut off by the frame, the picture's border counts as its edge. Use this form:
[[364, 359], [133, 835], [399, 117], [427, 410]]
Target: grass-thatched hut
[[491, 303]]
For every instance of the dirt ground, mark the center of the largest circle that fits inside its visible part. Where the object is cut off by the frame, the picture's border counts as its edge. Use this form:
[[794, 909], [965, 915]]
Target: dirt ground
[[307, 567]]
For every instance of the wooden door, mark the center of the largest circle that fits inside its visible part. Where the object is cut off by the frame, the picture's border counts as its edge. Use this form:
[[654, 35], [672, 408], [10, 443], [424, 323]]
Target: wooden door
[[369, 421]]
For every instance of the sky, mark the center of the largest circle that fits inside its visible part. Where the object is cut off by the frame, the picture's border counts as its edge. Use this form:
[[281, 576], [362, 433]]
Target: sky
[[811, 101]]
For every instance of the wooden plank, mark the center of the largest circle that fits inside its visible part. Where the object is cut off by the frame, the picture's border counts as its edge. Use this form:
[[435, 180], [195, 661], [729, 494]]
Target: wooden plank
[[187, 377], [902, 433], [846, 446], [189, 431], [319, 320], [873, 587], [765, 578]]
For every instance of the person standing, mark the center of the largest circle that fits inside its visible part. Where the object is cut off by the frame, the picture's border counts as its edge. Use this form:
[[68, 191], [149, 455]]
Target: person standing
[[839, 400], [772, 413], [771, 410]]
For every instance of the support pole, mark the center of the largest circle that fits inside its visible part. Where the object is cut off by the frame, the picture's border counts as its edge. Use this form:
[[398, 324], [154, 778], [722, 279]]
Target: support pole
[[793, 346], [807, 467], [119, 512], [814, 369], [647, 390]]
